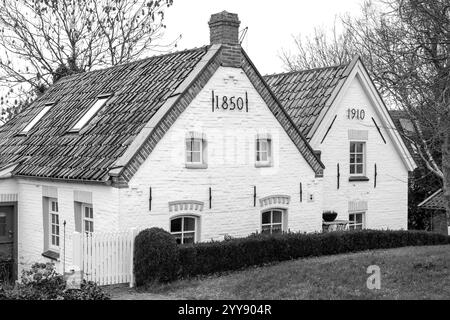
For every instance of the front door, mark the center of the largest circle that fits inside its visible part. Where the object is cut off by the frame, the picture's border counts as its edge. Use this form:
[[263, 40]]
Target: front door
[[7, 234]]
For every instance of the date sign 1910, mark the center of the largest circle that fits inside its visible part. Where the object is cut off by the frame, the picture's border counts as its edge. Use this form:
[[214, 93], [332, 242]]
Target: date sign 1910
[[358, 114], [229, 103]]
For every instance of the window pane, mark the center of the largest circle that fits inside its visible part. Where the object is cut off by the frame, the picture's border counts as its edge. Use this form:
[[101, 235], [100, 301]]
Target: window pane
[[177, 238], [352, 158], [2, 226], [352, 169], [359, 158], [352, 147], [276, 228], [57, 241], [195, 157], [265, 230], [86, 226], [189, 224], [263, 145], [91, 210], [266, 217], [359, 218], [276, 217], [359, 168], [351, 217], [175, 225], [189, 237], [196, 146], [359, 147]]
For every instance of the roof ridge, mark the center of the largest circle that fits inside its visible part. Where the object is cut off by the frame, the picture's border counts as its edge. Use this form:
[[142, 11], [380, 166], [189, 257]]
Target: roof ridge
[[306, 70], [69, 77]]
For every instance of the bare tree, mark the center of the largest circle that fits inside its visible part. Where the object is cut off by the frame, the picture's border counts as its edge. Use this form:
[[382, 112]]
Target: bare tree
[[43, 40], [324, 48]]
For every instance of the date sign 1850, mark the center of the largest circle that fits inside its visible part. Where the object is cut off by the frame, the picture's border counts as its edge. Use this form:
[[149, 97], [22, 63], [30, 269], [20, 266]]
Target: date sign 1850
[[229, 103]]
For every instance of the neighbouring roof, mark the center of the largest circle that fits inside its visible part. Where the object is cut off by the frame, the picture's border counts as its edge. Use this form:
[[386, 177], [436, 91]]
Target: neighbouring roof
[[434, 202], [307, 95], [140, 89], [406, 130]]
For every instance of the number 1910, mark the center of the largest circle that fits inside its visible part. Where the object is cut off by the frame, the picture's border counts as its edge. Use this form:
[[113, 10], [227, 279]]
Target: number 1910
[[358, 114]]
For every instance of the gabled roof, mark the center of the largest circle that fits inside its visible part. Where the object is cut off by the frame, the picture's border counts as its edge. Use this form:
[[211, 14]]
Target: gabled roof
[[434, 202], [139, 89], [307, 95], [148, 96]]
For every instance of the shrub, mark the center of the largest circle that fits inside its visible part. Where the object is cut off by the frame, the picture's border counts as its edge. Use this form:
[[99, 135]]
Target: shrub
[[155, 257], [234, 254], [88, 291], [42, 282]]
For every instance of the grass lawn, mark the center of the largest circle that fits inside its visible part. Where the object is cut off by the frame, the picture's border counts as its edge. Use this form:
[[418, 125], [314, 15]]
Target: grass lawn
[[406, 273]]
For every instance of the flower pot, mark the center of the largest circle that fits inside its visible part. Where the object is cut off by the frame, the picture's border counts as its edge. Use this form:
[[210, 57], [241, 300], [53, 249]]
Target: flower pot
[[329, 216]]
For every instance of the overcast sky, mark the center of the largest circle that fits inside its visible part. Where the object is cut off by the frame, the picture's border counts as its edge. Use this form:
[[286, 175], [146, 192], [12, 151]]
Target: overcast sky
[[271, 23]]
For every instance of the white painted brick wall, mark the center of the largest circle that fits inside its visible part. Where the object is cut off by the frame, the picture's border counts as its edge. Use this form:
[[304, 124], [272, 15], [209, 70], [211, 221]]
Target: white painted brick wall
[[231, 169], [30, 216], [388, 202]]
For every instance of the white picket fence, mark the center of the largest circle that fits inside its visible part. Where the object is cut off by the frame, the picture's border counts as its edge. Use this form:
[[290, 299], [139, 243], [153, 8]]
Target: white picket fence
[[105, 258]]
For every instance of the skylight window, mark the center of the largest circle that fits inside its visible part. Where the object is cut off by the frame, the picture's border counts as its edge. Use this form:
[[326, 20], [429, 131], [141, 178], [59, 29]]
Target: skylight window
[[37, 118], [91, 113]]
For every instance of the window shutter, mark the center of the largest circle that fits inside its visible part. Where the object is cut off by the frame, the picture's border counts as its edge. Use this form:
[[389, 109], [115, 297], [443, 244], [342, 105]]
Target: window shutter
[[78, 217]]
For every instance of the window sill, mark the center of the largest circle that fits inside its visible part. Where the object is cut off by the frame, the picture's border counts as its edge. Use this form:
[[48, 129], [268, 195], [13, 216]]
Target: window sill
[[263, 165], [196, 166], [358, 178], [52, 255]]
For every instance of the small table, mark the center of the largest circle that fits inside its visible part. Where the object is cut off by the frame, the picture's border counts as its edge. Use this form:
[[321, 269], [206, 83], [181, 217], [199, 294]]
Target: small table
[[336, 225]]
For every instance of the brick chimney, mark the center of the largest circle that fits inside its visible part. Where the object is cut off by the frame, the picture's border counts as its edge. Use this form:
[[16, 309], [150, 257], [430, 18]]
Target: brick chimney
[[224, 30]]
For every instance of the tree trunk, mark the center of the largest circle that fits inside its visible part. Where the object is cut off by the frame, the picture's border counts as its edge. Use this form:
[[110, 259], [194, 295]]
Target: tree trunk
[[446, 171]]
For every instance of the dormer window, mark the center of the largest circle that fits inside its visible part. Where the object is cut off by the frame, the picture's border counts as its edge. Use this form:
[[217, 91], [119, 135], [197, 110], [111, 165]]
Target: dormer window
[[37, 118], [91, 113]]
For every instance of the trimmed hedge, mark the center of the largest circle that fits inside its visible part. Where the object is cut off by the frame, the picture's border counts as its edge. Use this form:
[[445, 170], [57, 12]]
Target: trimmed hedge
[[235, 254], [155, 257]]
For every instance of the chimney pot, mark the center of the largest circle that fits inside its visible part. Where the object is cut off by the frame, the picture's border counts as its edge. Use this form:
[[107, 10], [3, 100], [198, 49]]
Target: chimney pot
[[224, 28]]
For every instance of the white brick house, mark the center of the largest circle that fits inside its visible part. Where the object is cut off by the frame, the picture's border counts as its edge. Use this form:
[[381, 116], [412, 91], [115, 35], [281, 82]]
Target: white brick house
[[194, 142], [342, 115]]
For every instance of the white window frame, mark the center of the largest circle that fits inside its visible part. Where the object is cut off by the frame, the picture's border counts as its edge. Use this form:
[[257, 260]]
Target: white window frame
[[353, 224], [191, 142], [36, 119], [259, 152], [271, 224], [183, 232], [89, 220], [355, 164], [53, 212], [93, 110], [193, 138]]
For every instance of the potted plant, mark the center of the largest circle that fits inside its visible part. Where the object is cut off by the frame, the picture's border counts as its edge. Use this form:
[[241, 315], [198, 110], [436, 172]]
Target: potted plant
[[329, 216]]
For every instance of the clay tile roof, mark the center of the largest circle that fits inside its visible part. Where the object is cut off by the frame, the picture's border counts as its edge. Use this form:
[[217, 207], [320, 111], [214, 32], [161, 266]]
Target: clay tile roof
[[434, 202], [140, 89], [305, 94]]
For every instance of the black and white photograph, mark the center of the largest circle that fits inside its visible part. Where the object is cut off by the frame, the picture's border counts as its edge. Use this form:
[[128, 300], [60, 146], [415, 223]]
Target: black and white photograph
[[257, 152]]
